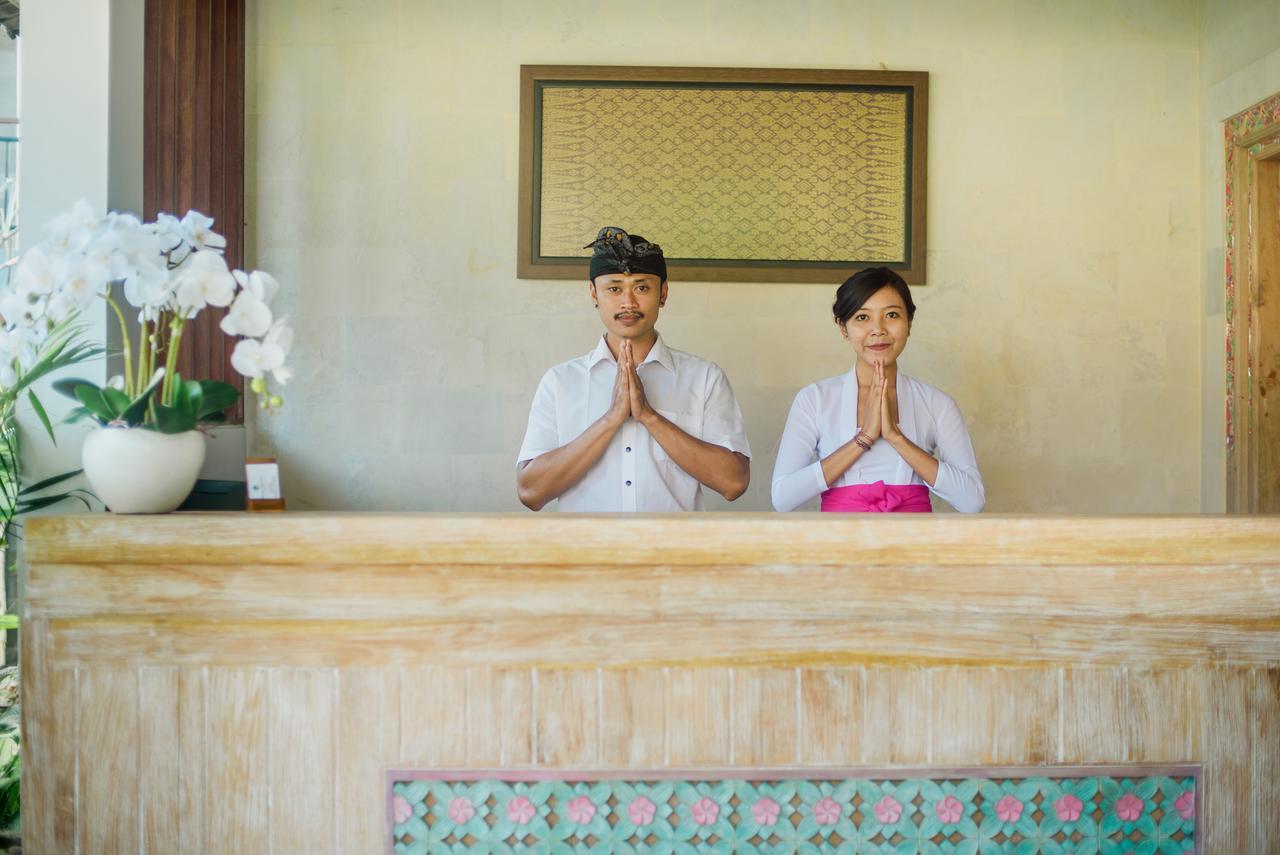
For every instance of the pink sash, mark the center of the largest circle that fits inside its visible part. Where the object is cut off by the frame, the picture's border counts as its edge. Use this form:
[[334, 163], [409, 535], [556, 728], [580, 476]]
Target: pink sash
[[878, 498]]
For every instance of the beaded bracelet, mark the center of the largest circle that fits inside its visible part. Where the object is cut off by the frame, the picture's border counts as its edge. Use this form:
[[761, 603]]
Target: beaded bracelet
[[863, 441]]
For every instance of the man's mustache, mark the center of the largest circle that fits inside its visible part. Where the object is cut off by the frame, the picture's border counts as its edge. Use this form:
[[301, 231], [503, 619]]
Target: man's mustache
[[628, 315]]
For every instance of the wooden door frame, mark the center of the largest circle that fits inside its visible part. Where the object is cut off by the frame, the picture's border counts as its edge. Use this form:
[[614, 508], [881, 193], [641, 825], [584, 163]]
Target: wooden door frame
[[1252, 138], [193, 145]]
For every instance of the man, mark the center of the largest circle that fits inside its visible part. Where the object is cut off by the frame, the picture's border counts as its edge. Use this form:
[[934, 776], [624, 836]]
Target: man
[[634, 425]]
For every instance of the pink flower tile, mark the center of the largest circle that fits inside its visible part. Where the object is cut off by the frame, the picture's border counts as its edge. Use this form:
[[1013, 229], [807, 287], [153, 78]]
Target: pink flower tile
[[641, 811], [765, 811], [949, 810], [827, 812], [705, 811], [1129, 807], [1068, 808], [888, 810], [461, 810], [582, 810], [520, 810], [1009, 809], [401, 809]]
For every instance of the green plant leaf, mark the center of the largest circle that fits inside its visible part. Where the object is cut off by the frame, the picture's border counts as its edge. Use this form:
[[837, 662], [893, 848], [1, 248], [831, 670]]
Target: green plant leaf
[[218, 396], [49, 482], [43, 416], [91, 397], [76, 415], [188, 397], [67, 385], [137, 411], [173, 420], [26, 506], [117, 400], [60, 350]]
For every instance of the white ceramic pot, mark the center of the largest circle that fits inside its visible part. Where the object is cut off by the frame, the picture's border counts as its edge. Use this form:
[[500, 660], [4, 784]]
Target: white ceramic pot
[[137, 471]]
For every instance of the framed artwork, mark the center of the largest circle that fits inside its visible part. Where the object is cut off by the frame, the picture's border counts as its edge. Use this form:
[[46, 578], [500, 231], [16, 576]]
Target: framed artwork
[[749, 175]]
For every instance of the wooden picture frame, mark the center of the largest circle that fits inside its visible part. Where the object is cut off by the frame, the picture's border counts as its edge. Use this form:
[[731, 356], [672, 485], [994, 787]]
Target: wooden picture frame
[[746, 175]]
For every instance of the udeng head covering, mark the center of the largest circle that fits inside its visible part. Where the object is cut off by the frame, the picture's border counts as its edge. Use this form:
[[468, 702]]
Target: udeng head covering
[[615, 251]]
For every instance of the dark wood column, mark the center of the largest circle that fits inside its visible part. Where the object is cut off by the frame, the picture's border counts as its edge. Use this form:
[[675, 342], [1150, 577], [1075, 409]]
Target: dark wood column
[[194, 143]]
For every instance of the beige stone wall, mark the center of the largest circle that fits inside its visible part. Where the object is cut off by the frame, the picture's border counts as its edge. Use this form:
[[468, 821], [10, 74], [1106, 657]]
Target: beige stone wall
[[1239, 66], [1063, 304]]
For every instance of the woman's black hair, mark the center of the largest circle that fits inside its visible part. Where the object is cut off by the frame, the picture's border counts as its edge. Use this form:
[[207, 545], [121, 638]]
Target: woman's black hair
[[858, 288]]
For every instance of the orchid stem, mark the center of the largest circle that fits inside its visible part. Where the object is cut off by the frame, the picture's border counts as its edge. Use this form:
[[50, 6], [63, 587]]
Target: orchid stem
[[144, 358], [171, 357], [124, 346]]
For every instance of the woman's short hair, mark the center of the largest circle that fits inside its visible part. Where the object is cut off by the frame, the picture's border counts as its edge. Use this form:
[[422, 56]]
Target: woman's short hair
[[858, 288]]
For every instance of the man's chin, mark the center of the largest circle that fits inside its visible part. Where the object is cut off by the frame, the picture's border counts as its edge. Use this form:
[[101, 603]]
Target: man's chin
[[632, 332]]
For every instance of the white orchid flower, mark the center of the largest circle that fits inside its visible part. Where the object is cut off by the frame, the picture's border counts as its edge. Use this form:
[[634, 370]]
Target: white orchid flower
[[39, 273], [107, 253], [20, 310], [173, 237], [196, 229], [279, 338], [72, 231], [249, 316], [8, 374], [24, 343], [259, 283], [253, 358], [143, 250], [84, 281], [203, 281], [59, 307], [148, 287]]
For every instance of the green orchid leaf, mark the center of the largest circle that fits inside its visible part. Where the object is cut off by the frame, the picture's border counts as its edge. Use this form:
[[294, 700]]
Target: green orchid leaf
[[91, 397], [67, 385], [77, 415], [218, 396], [48, 482], [173, 420], [117, 400], [42, 415], [190, 397], [137, 411]]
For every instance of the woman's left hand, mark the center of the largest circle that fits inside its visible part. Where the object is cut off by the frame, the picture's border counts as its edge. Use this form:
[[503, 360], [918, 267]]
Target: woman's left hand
[[888, 424]]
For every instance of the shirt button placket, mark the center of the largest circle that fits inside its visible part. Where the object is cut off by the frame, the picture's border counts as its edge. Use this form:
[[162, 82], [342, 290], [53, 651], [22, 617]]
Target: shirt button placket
[[629, 465]]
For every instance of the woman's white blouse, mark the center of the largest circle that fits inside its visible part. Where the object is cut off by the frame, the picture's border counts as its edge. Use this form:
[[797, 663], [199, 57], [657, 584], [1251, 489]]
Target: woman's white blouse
[[824, 417]]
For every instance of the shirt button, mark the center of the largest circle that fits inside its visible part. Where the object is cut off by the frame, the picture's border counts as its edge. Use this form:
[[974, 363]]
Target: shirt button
[[628, 483], [628, 449]]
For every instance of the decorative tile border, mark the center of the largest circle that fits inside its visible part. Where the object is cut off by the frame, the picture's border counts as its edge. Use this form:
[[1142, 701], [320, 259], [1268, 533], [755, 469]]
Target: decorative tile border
[[1259, 116], [1140, 810]]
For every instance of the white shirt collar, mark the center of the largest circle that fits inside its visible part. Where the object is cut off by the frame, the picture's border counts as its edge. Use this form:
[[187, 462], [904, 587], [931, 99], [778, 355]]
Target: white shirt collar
[[659, 353]]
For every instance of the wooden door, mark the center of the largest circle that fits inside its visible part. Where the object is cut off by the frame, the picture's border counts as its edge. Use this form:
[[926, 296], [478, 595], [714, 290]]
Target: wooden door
[[1253, 309]]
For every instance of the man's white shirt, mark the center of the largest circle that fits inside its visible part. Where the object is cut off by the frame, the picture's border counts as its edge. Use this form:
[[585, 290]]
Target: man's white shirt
[[634, 473]]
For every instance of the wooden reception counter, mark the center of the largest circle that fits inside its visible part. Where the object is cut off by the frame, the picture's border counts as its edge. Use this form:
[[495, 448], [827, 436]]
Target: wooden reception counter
[[242, 683]]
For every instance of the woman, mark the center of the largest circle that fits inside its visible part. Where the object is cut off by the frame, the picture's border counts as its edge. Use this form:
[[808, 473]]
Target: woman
[[867, 440]]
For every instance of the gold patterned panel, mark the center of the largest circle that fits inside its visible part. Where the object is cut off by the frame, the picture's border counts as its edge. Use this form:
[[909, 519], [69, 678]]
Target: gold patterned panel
[[727, 173]]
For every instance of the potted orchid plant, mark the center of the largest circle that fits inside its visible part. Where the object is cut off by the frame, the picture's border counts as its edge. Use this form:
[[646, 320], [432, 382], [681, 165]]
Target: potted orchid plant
[[149, 452]]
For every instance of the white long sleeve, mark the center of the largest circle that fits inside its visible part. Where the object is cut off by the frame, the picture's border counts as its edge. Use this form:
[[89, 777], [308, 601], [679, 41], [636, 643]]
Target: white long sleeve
[[823, 418], [797, 475]]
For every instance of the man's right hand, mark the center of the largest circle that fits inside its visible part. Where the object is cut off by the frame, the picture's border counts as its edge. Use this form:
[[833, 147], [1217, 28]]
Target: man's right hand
[[620, 407]]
